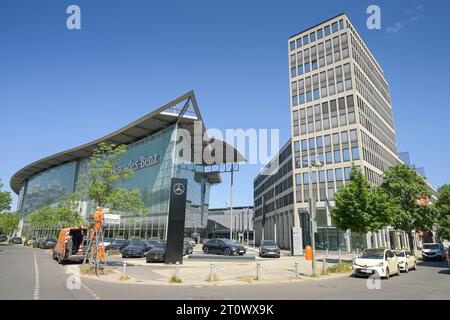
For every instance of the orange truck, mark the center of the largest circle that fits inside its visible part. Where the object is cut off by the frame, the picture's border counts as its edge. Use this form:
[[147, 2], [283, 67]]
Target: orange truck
[[71, 245]]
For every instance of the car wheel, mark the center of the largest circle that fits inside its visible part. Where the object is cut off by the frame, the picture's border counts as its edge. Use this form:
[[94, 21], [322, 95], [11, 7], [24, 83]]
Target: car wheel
[[387, 274], [227, 252], [206, 250], [406, 268]]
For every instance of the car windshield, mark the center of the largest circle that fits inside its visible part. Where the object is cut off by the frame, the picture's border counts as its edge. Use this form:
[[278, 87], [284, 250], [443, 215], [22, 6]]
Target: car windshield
[[229, 242], [120, 241], [431, 246], [372, 254], [137, 243], [269, 243], [399, 253], [160, 246]]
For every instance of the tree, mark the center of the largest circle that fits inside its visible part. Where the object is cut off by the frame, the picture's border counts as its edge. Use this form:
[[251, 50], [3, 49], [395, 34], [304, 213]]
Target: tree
[[8, 222], [100, 183], [360, 208], [5, 199], [442, 205], [405, 187], [61, 216]]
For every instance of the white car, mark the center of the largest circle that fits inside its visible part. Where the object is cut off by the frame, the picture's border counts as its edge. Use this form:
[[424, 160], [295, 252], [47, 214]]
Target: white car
[[382, 262], [406, 261]]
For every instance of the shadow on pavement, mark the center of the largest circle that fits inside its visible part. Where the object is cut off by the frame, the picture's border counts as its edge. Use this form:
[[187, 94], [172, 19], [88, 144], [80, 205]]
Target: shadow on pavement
[[433, 264]]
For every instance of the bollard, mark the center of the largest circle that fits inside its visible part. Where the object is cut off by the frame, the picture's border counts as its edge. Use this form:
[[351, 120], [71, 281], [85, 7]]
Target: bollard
[[340, 256], [296, 269], [326, 252], [211, 271], [177, 271], [324, 265], [124, 269], [357, 250], [258, 271]]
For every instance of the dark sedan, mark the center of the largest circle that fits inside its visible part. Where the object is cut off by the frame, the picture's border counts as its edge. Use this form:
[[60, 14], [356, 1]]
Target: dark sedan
[[15, 240], [117, 245], [157, 253], [48, 244], [135, 249], [38, 242], [3, 238], [223, 246], [269, 248]]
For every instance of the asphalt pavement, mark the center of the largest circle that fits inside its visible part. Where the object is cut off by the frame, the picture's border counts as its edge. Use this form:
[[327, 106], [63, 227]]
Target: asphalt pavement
[[32, 274]]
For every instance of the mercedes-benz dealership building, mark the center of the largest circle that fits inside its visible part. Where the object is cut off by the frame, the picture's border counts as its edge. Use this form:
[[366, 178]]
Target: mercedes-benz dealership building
[[153, 156]]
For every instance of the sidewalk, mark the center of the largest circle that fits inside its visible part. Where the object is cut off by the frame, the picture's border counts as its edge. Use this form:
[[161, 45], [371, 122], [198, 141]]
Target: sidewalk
[[197, 272]]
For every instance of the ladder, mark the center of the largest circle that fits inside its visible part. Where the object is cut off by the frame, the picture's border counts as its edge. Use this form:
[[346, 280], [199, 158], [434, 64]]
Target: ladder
[[94, 254]]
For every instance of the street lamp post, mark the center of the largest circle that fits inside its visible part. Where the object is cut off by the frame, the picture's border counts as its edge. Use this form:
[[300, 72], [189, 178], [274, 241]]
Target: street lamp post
[[312, 213]]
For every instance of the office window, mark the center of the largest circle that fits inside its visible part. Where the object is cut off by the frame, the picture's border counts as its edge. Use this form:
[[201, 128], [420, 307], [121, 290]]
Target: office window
[[293, 72], [334, 122], [292, 45], [341, 24], [296, 146], [305, 40], [295, 100], [303, 129], [312, 37], [318, 125], [302, 98], [346, 155], [316, 94], [351, 118], [335, 27], [347, 173], [308, 96], [307, 67], [298, 179], [300, 70], [327, 140], [355, 153], [299, 42], [353, 136], [339, 174], [330, 175], [314, 177], [321, 176], [320, 34], [304, 145], [319, 142], [328, 157], [312, 144], [320, 157], [327, 30], [305, 178], [344, 137], [337, 156]]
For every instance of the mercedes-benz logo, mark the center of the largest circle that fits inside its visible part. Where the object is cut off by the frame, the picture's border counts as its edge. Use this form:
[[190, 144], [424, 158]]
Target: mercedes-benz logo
[[178, 189]]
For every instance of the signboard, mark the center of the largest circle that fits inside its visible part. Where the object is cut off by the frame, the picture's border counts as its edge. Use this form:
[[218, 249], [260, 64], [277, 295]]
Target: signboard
[[176, 221], [297, 242], [111, 218]]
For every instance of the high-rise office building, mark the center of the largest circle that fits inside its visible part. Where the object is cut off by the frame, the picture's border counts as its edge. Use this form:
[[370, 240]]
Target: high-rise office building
[[341, 114]]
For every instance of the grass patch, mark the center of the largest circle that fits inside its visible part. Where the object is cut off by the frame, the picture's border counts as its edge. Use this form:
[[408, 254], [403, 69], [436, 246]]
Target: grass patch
[[340, 268], [247, 279], [174, 279], [124, 277]]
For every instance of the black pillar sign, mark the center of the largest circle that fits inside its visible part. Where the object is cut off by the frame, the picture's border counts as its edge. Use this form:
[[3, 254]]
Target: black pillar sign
[[176, 221]]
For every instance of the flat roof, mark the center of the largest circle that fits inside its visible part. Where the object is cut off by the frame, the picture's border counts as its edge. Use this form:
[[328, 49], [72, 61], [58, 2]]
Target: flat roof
[[318, 24], [148, 125]]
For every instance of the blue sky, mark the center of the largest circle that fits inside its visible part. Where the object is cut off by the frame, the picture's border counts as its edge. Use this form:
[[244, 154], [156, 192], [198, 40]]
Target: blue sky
[[61, 88]]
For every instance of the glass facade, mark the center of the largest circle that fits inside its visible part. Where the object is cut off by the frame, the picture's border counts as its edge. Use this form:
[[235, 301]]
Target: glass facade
[[154, 163]]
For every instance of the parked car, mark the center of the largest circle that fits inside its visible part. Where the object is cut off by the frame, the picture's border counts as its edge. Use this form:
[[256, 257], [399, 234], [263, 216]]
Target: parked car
[[48, 244], [187, 248], [406, 261], [3, 238], [29, 241], [191, 241], [135, 249], [38, 242], [269, 248], [150, 244], [107, 242], [15, 240], [157, 253], [433, 251], [223, 246], [376, 261], [118, 245], [71, 245]]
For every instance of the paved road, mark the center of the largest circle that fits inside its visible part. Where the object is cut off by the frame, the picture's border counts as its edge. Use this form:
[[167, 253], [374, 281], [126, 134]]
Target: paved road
[[18, 281]]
